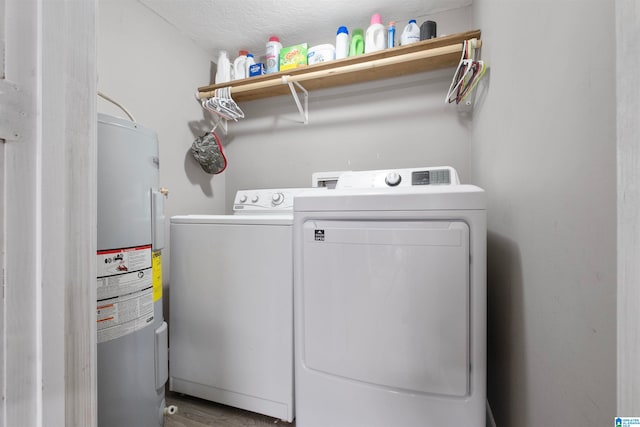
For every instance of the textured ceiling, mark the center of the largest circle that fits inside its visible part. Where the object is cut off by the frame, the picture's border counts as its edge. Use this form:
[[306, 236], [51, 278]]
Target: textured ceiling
[[232, 25]]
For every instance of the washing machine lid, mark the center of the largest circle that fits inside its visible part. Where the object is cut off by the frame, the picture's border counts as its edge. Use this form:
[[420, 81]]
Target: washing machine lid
[[263, 219], [414, 198]]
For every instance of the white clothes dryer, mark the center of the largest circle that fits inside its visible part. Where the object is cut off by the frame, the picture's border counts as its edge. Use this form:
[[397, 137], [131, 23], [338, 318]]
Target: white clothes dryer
[[231, 304], [390, 301]]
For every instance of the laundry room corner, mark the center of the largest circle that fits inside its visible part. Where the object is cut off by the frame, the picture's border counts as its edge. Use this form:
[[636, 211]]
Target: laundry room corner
[[539, 138]]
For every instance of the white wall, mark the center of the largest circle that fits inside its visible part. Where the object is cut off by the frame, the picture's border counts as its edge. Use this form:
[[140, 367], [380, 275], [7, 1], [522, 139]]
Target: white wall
[[153, 70], [401, 122], [544, 148]]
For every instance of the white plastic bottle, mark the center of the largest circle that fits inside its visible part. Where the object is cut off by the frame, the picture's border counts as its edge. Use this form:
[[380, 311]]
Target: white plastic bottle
[[272, 57], [342, 43], [410, 34], [239, 66], [375, 36], [250, 61], [223, 69]]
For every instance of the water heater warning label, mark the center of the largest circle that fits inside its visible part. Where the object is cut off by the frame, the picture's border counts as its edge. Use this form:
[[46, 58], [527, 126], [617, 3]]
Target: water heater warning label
[[124, 291], [119, 261]]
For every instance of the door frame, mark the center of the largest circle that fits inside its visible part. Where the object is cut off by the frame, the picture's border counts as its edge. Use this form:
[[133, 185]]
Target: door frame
[[48, 119]]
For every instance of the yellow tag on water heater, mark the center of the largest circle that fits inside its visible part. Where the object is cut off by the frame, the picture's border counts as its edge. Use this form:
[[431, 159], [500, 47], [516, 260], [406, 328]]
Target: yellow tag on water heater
[[156, 264]]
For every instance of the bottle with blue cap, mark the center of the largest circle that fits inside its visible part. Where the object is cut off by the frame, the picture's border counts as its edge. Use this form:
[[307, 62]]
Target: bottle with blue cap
[[342, 43], [410, 34], [248, 63]]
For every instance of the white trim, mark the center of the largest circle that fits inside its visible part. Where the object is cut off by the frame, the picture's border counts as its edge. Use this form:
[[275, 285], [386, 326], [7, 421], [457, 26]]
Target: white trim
[[3, 127], [2, 37], [50, 223], [628, 153], [21, 387]]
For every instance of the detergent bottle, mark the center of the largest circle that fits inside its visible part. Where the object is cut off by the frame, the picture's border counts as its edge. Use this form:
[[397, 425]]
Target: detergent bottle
[[247, 65], [375, 35], [342, 43], [223, 68], [428, 30], [410, 34], [239, 66], [357, 42]]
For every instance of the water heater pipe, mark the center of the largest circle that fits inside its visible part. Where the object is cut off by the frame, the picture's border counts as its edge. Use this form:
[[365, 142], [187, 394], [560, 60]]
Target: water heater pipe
[[103, 96]]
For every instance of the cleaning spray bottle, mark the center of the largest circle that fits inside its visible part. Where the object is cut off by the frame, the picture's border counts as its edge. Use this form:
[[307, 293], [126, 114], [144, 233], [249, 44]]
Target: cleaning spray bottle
[[375, 35]]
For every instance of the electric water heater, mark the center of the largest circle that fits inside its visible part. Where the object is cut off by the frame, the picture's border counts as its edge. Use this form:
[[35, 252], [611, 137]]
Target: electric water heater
[[132, 334]]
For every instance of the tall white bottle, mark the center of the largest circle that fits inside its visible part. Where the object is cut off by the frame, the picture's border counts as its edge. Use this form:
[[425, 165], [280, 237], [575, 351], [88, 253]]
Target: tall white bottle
[[410, 34], [375, 36], [342, 43], [272, 57], [223, 70]]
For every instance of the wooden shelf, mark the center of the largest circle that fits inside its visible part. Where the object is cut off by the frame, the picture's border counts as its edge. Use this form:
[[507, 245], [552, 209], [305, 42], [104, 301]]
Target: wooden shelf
[[422, 56]]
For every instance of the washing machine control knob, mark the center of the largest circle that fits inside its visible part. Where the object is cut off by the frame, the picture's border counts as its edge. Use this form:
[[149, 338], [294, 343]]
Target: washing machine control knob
[[277, 198], [393, 179], [255, 199], [243, 198]]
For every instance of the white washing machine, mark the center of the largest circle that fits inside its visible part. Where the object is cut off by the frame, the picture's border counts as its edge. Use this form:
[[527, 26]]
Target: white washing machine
[[231, 296], [390, 301]]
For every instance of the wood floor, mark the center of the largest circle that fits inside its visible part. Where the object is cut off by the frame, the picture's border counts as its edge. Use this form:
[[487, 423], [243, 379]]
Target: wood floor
[[193, 412]]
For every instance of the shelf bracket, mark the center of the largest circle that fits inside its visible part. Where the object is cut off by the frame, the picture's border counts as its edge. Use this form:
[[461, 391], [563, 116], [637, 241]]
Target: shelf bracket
[[304, 111]]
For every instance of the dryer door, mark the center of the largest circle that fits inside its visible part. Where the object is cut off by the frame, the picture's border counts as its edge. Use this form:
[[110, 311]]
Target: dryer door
[[387, 303]]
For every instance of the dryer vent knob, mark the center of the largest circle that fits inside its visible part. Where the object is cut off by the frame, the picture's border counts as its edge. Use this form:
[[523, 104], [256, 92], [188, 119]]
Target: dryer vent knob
[[393, 179]]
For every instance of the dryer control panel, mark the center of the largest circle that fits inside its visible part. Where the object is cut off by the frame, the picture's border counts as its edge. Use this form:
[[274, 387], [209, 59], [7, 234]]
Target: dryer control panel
[[386, 178]]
